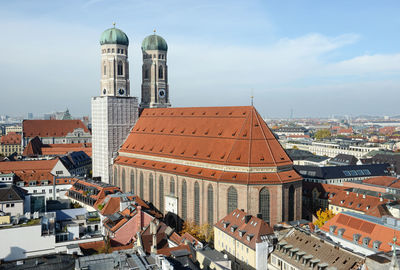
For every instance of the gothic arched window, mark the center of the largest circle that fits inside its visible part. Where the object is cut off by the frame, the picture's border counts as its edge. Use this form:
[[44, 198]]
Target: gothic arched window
[[172, 186], [105, 69], [146, 73], [151, 185], [232, 199], [161, 193], [123, 181], [132, 182], [291, 203], [184, 200], [141, 185], [197, 203], [263, 201], [115, 177], [120, 68], [160, 72], [210, 205]]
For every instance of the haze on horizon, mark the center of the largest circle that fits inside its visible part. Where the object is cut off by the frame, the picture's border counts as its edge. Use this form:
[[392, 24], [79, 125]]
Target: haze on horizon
[[317, 58]]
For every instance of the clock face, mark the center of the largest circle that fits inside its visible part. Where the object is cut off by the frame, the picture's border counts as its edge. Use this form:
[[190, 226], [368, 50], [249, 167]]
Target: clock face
[[104, 91], [121, 91], [161, 93]]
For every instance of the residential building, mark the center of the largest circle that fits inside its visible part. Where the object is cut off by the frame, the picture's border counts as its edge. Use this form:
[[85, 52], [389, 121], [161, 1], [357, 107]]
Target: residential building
[[337, 175], [14, 201], [77, 163], [213, 160], [114, 112], [55, 131], [316, 195], [36, 148], [246, 239], [304, 250], [343, 159], [13, 129], [363, 233], [10, 144]]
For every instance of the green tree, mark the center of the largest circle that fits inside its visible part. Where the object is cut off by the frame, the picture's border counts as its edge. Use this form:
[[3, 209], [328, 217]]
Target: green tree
[[322, 134]]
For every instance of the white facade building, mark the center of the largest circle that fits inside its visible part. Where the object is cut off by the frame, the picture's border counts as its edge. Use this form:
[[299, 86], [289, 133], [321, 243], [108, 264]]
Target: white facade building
[[114, 113]]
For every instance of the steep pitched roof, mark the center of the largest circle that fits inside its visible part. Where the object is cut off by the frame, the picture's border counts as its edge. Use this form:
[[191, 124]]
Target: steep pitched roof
[[384, 181], [228, 136], [238, 222], [11, 138], [11, 193], [50, 128]]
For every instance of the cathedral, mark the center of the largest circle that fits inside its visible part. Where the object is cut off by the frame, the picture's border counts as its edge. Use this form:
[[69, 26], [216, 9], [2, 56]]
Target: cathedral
[[195, 163]]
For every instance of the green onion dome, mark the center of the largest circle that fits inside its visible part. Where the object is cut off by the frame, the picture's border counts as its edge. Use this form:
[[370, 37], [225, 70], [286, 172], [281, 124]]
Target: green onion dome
[[154, 42], [114, 36]]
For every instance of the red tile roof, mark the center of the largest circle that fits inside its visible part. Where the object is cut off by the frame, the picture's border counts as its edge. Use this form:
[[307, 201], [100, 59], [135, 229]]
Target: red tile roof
[[11, 138], [230, 136], [224, 135], [27, 165], [354, 225], [50, 128], [112, 204], [167, 251], [384, 181], [255, 227], [356, 201]]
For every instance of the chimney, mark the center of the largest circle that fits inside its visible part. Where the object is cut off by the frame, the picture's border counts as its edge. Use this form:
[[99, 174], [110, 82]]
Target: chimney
[[363, 196], [247, 218], [357, 194], [347, 192]]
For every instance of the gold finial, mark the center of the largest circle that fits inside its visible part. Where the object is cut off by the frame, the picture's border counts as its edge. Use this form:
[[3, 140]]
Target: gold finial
[[114, 24], [154, 31]]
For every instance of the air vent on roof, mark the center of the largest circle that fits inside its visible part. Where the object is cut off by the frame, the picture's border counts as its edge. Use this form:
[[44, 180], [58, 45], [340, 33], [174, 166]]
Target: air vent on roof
[[152, 129], [261, 158], [256, 125], [192, 113], [205, 133], [181, 113], [195, 154], [172, 113], [138, 129], [183, 152], [163, 166], [162, 130], [234, 177], [230, 113], [154, 113], [175, 168], [194, 131], [153, 164], [245, 134], [172, 130], [223, 156], [213, 174], [162, 113], [244, 113], [200, 172], [187, 169], [172, 150], [183, 130], [282, 158], [238, 158], [264, 177], [216, 113], [141, 148]]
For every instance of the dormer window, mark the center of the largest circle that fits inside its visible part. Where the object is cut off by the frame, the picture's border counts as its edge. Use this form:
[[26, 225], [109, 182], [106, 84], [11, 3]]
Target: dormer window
[[376, 244], [226, 224], [233, 228], [332, 228], [356, 237], [241, 233], [366, 241], [249, 237], [340, 232]]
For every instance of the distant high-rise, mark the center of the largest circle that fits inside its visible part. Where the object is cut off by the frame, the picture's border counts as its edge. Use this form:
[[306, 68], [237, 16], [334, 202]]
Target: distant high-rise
[[114, 112], [155, 90]]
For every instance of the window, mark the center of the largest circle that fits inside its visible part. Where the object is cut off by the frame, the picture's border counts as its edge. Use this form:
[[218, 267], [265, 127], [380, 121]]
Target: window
[[232, 199], [120, 68], [184, 200], [151, 186], [291, 203], [113, 50], [115, 176], [197, 203], [146, 74], [141, 185], [264, 204], [118, 50], [123, 181], [12, 205], [160, 72], [210, 205], [172, 186], [105, 70], [161, 193], [122, 51], [108, 50], [132, 182]]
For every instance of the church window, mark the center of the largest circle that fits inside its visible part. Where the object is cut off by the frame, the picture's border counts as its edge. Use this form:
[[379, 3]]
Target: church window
[[108, 50], [160, 72], [232, 199], [132, 182], [172, 186], [115, 176], [151, 186], [291, 203], [184, 200], [146, 74], [161, 193], [197, 203], [120, 68], [113, 50], [263, 201], [210, 204], [105, 70], [159, 56], [122, 51], [118, 50], [141, 185], [123, 182]]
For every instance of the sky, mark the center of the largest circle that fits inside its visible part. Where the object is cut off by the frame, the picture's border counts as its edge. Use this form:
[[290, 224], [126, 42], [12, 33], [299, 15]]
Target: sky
[[312, 58]]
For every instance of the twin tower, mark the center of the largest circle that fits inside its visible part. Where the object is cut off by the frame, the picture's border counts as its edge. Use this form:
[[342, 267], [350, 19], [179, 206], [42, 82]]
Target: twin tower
[[115, 68], [115, 111]]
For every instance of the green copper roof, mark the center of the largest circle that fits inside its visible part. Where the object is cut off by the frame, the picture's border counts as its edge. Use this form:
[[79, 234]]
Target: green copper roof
[[114, 36], [154, 42]]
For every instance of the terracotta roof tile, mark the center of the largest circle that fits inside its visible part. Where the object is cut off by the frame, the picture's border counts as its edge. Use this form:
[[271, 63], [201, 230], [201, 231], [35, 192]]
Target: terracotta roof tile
[[50, 128], [11, 138], [384, 181]]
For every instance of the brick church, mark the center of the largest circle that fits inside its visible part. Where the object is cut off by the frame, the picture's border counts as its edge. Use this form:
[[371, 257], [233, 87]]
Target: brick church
[[202, 163]]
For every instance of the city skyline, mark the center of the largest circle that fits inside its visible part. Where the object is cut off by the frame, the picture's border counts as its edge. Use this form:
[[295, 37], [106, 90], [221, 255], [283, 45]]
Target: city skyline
[[218, 53]]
